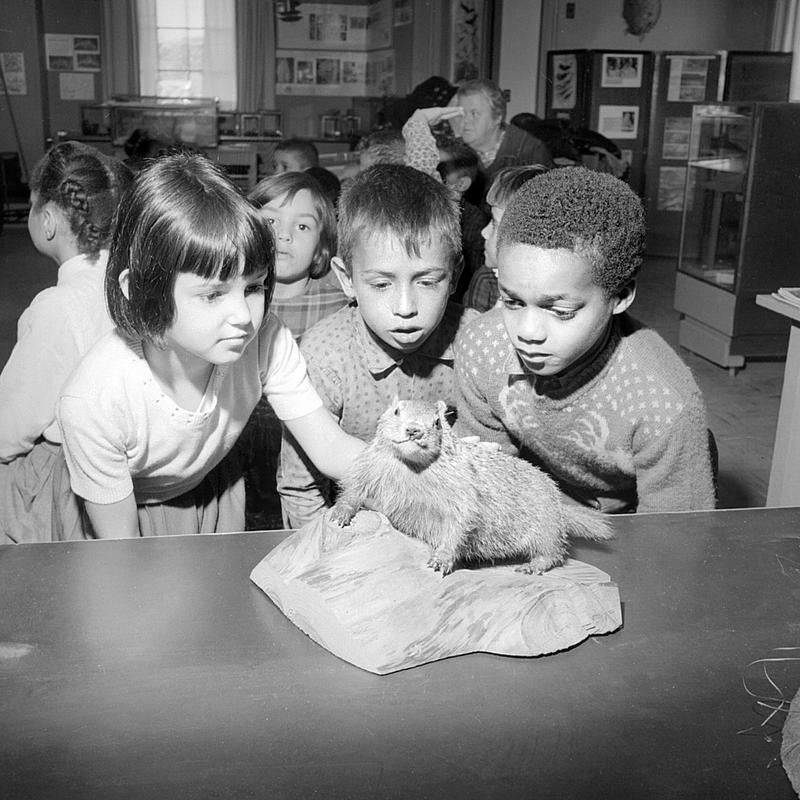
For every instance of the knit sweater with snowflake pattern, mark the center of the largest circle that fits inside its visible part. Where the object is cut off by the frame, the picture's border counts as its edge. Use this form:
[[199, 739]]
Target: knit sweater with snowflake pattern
[[625, 432]]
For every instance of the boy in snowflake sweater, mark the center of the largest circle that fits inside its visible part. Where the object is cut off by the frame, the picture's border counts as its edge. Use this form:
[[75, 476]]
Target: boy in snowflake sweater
[[562, 376]]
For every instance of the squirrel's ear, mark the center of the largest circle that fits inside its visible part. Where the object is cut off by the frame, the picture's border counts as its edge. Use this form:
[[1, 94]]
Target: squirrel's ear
[[441, 410]]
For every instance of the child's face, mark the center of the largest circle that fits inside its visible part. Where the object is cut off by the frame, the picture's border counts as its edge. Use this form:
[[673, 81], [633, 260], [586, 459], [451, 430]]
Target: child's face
[[401, 297], [286, 161], [215, 320], [489, 234], [553, 310], [296, 228]]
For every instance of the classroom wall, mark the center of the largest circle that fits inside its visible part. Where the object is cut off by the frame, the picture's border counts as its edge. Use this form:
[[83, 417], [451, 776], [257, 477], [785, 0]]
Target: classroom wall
[[682, 25], [42, 112]]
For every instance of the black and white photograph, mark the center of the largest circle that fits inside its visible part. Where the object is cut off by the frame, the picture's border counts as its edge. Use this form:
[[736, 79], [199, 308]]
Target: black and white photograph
[[399, 400]]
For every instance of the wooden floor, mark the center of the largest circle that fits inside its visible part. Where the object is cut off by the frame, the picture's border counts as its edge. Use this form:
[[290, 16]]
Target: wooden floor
[[743, 409]]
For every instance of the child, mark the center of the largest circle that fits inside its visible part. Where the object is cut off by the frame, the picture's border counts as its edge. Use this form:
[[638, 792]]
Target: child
[[294, 155], [153, 409], [299, 155], [562, 375], [303, 223], [459, 168], [399, 241], [482, 292], [75, 191]]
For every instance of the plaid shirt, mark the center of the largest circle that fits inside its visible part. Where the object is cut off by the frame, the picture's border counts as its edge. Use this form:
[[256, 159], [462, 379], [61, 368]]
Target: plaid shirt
[[482, 293], [322, 297]]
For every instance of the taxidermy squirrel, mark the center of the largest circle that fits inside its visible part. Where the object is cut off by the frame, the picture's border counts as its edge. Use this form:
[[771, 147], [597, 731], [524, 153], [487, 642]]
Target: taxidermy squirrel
[[468, 501]]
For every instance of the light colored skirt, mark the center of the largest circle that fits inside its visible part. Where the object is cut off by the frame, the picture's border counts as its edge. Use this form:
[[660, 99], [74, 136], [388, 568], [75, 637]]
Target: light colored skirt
[[217, 505], [36, 501]]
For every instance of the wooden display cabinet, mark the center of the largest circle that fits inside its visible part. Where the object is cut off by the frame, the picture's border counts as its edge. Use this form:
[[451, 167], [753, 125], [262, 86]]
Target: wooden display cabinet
[[740, 230]]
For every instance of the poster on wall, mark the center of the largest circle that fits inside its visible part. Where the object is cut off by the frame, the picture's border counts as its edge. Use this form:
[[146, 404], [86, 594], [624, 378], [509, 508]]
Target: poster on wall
[[13, 66], [72, 52], [325, 26], [688, 76], [467, 40], [677, 132], [565, 80], [618, 122], [621, 71], [322, 72], [76, 86]]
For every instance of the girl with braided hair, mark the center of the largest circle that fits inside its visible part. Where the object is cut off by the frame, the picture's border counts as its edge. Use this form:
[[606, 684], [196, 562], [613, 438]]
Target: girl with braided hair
[[75, 191]]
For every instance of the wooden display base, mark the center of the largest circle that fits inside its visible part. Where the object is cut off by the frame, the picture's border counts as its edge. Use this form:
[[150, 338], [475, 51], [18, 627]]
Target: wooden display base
[[366, 594]]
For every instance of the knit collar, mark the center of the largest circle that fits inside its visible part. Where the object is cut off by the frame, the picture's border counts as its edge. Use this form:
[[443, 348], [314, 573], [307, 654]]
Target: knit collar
[[577, 376], [381, 358]]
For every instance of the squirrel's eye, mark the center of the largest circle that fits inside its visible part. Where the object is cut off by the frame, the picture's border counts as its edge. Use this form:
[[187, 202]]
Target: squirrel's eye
[[397, 411], [438, 424]]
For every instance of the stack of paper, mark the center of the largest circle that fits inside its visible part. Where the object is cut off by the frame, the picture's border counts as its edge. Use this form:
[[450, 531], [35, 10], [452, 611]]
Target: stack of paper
[[788, 295]]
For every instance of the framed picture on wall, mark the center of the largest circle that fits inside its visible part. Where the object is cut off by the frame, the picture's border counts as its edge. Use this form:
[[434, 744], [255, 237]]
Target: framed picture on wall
[[470, 36], [618, 122], [621, 71]]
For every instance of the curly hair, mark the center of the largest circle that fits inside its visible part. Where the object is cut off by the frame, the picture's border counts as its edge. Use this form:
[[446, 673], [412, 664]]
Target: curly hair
[[594, 214], [86, 186]]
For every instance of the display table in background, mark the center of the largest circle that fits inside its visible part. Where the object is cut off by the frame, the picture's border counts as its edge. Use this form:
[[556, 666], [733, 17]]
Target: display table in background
[[784, 476], [156, 668]]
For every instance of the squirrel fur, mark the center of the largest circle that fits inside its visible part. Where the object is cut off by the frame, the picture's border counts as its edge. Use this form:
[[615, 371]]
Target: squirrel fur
[[468, 501]]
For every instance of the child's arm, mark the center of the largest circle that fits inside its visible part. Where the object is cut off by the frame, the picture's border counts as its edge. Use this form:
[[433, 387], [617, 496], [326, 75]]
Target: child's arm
[[421, 150], [673, 470], [326, 444], [301, 487], [43, 357], [474, 414], [118, 520]]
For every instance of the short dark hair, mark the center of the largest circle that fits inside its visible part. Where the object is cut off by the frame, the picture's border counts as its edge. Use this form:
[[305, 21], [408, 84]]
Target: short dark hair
[[508, 180], [183, 214], [459, 159], [594, 214], [401, 201], [289, 184], [306, 152], [86, 186], [387, 146]]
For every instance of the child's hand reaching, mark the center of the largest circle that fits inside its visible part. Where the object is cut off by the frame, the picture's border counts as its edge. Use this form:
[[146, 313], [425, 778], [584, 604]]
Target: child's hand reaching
[[436, 114]]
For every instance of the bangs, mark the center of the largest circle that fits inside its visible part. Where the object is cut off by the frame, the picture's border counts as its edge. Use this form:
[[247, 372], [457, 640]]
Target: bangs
[[225, 246]]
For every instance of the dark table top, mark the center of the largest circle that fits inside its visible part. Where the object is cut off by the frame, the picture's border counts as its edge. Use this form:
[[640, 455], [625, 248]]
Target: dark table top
[[154, 668]]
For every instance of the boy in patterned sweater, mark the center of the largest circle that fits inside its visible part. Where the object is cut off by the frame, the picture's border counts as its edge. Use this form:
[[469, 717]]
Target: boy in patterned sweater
[[561, 375], [399, 241]]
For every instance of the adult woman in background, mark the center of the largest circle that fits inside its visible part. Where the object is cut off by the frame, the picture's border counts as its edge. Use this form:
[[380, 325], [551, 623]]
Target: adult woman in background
[[484, 129]]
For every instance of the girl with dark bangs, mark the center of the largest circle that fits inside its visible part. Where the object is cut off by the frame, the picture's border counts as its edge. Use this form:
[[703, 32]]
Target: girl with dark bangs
[[152, 413]]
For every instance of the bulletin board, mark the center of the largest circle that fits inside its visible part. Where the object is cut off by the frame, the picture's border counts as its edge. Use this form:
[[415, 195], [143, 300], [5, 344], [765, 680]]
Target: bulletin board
[[331, 49]]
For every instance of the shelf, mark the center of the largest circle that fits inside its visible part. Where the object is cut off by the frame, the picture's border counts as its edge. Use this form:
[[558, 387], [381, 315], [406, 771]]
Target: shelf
[[721, 164]]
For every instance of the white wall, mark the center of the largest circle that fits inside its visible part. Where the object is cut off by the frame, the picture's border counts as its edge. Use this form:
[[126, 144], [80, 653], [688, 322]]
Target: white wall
[[520, 30]]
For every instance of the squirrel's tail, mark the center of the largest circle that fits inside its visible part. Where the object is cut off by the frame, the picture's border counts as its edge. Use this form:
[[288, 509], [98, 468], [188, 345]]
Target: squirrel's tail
[[586, 523]]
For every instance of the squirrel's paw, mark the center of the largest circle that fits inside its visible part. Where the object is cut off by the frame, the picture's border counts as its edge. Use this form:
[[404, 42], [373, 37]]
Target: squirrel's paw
[[441, 563], [340, 514], [537, 566]]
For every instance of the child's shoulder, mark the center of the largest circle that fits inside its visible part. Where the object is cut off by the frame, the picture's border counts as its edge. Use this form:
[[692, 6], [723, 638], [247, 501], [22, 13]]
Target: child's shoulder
[[111, 361], [485, 328], [647, 351]]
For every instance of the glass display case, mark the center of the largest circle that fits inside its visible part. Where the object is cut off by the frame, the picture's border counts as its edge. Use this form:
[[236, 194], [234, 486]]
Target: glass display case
[[713, 201], [740, 229]]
